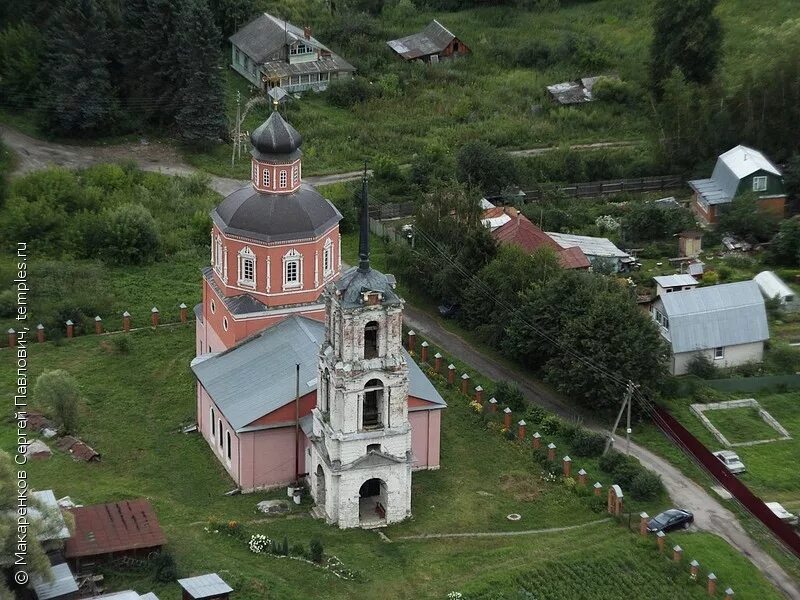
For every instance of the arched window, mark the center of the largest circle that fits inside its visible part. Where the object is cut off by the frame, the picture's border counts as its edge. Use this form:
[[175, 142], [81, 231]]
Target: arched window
[[372, 405], [218, 262], [247, 267], [213, 424], [373, 447], [371, 339], [325, 391], [228, 439], [265, 177], [283, 178], [327, 258], [219, 431], [292, 269], [225, 323]]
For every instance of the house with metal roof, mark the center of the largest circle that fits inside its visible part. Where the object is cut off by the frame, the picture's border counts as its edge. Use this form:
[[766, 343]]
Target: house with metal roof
[[61, 586], [740, 170], [666, 284], [270, 52], [772, 287], [599, 251], [726, 323], [432, 44]]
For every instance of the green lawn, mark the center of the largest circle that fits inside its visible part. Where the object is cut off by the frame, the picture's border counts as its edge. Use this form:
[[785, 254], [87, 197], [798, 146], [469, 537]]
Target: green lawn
[[741, 425], [134, 405]]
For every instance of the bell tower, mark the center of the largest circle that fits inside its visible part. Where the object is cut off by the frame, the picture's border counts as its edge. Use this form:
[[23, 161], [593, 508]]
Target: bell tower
[[360, 466]]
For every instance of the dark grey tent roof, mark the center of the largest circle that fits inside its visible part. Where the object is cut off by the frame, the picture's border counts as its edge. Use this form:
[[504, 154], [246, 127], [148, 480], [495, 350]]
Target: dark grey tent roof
[[276, 217], [354, 282], [257, 376]]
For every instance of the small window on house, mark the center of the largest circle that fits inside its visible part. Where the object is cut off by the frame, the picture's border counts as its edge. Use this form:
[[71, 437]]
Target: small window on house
[[228, 440], [283, 178], [247, 267], [225, 323], [719, 353], [213, 307], [371, 340], [219, 431], [760, 183], [327, 262], [373, 448], [213, 418], [291, 269], [265, 177], [665, 322]]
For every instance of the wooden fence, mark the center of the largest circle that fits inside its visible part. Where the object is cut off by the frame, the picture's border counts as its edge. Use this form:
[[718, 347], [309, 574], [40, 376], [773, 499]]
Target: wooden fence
[[597, 189], [391, 211]]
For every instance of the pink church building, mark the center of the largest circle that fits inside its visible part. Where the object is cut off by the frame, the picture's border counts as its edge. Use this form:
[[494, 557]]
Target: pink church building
[[275, 248]]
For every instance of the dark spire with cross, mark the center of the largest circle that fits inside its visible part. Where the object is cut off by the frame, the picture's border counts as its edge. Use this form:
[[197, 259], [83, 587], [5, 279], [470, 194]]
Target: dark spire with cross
[[363, 240]]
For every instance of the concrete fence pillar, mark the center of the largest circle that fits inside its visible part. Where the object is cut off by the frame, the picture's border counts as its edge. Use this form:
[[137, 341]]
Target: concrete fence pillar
[[643, 520], [493, 405], [70, 329], [154, 316], [424, 352], [582, 478], [98, 325], [537, 440], [126, 321], [566, 466], [12, 337], [507, 418], [598, 488], [729, 594], [184, 312], [40, 333], [412, 341], [464, 383], [660, 540], [711, 586], [479, 394], [521, 430], [451, 374], [437, 362], [677, 553], [551, 452], [694, 569]]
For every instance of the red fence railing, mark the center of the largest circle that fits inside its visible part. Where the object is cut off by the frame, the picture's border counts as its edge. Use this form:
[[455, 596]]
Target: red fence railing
[[673, 429]]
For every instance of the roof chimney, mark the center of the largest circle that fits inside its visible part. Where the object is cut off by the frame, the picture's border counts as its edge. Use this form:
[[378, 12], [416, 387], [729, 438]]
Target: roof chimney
[[307, 31]]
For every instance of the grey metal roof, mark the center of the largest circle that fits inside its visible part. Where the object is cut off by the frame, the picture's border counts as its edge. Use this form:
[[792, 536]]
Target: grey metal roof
[[715, 316], [591, 246], [264, 37], [54, 527], [276, 136], [276, 217], [675, 280], [431, 40], [743, 161], [63, 583], [710, 191], [205, 586], [354, 283], [330, 64], [257, 376], [772, 286], [244, 304], [731, 167]]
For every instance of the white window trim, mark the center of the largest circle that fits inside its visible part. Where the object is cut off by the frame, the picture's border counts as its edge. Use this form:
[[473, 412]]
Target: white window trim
[[265, 177], [228, 449], [283, 179], [225, 323], [295, 174], [220, 258], [247, 255], [327, 258], [293, 256], [213, 306], [760, 183], [213, 424], [719, 353]]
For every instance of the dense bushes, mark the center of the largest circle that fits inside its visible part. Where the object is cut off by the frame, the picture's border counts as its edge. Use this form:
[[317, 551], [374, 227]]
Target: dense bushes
[[587, 443], [345, 93], [508, 394], [631, 476]]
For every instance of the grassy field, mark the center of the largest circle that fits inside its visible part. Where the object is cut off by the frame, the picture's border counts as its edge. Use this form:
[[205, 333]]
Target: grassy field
[[741, 425], [134, 405]]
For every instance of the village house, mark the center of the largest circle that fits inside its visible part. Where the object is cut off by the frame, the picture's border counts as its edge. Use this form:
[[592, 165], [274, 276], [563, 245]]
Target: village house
[[270, 52], [726, 323], [300, 367], [519, 231], [432, 44], [666, 284], [740, 170], [601, 252]]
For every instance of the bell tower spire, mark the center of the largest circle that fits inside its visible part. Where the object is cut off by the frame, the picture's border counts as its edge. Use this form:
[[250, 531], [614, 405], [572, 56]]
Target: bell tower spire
[[363, 239]]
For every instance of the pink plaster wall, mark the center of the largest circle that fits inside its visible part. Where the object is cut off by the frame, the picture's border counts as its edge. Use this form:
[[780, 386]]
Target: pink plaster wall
[[204, 405], [268, 459], [425, 434]]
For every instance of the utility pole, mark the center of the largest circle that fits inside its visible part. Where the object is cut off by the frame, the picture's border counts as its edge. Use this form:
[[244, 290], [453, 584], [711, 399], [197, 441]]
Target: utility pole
[[237, 135], [626, 403]]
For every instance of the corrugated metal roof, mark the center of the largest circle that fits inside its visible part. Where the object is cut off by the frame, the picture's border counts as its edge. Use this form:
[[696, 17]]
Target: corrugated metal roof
[[431, 40], [591, 246], [743, 161], [205, 586], [715, 316], [731, 167], [667, 281], [63, 583], [258, 376], [773, 286], [55, 528]]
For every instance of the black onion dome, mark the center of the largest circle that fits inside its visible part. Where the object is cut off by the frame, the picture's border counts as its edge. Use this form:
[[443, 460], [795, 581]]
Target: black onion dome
[[276, 136]]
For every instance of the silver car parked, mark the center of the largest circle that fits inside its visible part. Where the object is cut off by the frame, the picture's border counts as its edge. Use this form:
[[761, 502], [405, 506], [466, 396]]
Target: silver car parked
[[731, 461]]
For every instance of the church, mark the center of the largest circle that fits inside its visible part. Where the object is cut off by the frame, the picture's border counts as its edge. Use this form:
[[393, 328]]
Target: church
[[301, 373]]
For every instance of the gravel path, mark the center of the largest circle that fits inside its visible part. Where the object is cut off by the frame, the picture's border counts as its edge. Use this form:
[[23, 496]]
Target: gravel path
[[710, 514], [486, 534]]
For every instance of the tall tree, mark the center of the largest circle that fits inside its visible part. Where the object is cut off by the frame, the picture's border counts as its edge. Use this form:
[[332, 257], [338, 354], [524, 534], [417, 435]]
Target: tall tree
[[79, 98], [201, 113], [488, 168], [687, 35], [20, 57], [231, 15], [154, 64]]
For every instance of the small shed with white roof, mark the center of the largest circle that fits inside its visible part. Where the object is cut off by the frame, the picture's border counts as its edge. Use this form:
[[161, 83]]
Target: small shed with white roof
[[205, 587], [666, 284]]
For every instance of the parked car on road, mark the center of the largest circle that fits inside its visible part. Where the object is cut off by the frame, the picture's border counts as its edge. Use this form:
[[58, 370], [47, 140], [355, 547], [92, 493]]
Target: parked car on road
[[731, 461], [674, 518], [449, 309]]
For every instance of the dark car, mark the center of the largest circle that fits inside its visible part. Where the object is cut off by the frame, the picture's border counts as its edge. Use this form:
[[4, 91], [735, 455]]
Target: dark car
[[449, 309], [673, 518]]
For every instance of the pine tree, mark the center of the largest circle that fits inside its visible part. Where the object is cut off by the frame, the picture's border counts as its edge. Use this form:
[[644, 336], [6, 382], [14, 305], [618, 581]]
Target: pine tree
[[153, 67], [201, 115], [79, 95], [687, 35]]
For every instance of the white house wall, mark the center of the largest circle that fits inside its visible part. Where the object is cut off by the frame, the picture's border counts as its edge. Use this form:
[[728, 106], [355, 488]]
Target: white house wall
[[734, 356]]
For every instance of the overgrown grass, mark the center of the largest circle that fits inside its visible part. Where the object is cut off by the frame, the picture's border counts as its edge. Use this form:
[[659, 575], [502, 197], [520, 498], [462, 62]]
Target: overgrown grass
[[741, 425], [134, 405]]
